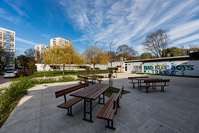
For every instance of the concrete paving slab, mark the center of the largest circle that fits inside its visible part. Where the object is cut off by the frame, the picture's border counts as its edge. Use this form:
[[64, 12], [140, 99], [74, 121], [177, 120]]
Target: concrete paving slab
[[31, 126]]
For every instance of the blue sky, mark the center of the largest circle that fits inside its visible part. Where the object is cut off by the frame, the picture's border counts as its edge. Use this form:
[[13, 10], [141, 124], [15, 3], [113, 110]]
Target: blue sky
[[102, 21]]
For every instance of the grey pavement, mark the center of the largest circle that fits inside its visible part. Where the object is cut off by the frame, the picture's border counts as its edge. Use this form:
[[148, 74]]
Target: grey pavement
[[174, 111], [5, 82]]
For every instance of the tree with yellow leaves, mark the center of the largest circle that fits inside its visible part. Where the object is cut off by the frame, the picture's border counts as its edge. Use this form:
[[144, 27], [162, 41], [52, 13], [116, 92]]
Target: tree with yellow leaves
[[96, 55], [64, 54]]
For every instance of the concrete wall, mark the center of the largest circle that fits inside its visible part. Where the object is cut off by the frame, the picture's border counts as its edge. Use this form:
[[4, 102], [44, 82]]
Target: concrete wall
[[172, 68], [40, 67], [188, 67], [133, 67]]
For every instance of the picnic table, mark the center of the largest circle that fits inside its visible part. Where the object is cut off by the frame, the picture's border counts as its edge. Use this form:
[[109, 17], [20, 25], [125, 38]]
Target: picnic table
[[144, 79], [83, 78], [135, 77], [93, 77], [90, 94]]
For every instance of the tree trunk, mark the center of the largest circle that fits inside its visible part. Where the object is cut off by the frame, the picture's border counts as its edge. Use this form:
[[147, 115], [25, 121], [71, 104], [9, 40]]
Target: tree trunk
[[94, 66], [63, 68]]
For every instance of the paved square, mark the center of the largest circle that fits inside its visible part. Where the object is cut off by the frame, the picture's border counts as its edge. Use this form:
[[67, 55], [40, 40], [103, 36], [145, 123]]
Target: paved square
[[175, 110]]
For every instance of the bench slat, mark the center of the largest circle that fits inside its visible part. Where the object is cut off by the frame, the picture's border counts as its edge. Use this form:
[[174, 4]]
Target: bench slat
[[68, 90], [106, 107], [69, 103]]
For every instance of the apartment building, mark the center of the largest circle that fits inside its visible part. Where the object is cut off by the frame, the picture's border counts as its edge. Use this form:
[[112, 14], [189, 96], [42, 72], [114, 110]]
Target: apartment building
[[39, 49], [59, 42], [7, 42]]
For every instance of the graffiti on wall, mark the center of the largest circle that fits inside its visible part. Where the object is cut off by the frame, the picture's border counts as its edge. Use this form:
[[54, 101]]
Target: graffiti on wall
[[171, 69]]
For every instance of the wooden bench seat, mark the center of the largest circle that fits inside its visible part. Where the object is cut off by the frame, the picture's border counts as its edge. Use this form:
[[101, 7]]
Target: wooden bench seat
[[109, 110], [69, 103]]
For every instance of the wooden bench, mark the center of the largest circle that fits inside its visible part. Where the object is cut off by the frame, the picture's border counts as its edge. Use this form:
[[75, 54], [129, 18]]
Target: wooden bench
[[153, 83], [109, 110], [69, 103]]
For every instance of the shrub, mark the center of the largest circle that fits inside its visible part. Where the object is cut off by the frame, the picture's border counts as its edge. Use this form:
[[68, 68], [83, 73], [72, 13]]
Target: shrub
[[10, 98], [21, 73], [112, 69], [29, 72], [97, 68], [87, 68], [92, 72]]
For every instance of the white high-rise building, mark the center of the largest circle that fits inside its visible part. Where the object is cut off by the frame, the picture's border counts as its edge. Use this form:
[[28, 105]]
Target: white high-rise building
[[39, 49], [7, 42], [59, 42]]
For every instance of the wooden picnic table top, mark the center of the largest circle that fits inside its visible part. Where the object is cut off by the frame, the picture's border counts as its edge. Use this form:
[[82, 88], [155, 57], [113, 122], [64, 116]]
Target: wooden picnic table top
[[94, 75], [138, 77], [83, 76], [91, 92], [148, 79]]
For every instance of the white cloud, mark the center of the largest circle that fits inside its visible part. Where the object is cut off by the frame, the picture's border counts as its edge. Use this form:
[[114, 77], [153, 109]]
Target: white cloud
[[174, 12], [79, 40], [25, 41], [165, 4], [129, 21], [46, 36], [7, 16], [184, 29], [185, 40], [140, 49], [14, 6]]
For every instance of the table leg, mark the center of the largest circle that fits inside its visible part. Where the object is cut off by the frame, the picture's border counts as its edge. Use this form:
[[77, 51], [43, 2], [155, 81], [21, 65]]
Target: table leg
[[102, 98], [139, 84], [89, 111]]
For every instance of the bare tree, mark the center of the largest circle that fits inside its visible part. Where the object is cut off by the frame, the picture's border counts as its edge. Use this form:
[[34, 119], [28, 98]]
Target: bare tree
[[156, 43], [193, 46], [125, 51], [110, 53]]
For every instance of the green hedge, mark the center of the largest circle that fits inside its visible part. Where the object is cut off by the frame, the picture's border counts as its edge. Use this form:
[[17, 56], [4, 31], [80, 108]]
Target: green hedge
[[17, 90], [48, 74], [92, 72]]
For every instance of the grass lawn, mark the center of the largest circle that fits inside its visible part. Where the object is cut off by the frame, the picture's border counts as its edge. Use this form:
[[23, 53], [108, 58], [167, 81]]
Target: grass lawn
[[1, 89], [111, 90]]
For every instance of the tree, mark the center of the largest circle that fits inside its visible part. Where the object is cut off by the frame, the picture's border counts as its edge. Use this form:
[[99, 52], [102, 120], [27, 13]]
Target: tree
[[156, 42], [173, 51], [22, 61], [96, 55], [62, 55], [111, 54], [30, 54], [26, 61], [5, 58], [192, 46], [146, 56], [126, 52]]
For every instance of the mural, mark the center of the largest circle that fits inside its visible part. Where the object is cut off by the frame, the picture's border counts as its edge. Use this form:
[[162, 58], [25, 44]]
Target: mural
[[167, 68]]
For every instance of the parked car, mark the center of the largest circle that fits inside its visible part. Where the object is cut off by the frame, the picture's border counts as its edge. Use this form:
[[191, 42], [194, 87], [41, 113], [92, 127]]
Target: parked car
[[10, 74]]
